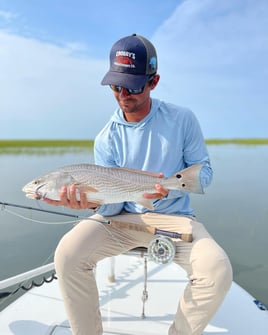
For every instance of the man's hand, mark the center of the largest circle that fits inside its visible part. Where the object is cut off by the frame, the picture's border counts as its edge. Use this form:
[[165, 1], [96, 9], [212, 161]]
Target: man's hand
[[72, 202], [161, 191]]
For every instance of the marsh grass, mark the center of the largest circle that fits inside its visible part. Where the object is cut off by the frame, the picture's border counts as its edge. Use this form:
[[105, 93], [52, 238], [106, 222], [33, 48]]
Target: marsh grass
[[42, 147], [238, 141]]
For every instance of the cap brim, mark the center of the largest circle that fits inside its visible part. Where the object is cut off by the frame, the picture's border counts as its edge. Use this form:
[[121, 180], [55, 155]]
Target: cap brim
[[124, 79]]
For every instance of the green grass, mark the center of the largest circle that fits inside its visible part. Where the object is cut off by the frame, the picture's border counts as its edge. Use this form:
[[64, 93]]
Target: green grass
[[45, 143], [41, 147], [63, 146], [239, 141], [90, 143]]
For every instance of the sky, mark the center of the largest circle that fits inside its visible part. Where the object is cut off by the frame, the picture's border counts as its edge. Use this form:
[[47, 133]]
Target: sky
[[212, 54]]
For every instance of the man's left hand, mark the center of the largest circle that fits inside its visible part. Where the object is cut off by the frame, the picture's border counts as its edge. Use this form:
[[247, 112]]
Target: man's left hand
[[161, 191]]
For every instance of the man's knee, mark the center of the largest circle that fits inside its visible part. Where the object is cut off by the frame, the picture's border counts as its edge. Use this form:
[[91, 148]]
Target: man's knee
[[223, 275], [211, 265], [67, 258], [216, 280], [63, 257]]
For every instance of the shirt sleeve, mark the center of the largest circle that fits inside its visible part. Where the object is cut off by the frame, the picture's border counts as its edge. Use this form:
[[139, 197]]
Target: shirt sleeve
[[195, 152]]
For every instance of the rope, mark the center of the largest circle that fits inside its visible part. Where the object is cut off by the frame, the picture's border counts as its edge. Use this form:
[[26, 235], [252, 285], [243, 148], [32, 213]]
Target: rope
[[44, 280]]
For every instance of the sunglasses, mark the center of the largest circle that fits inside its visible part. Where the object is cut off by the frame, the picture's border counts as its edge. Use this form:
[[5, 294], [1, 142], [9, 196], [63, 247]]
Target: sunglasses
[[133, 91]]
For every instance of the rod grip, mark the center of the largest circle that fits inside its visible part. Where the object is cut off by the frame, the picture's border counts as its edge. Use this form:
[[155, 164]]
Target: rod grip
[[187, 237], [132, 226], [151, 230], [173, 234]]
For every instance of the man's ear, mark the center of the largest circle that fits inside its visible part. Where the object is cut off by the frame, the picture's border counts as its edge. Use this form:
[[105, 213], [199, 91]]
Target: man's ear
[[154, 81]]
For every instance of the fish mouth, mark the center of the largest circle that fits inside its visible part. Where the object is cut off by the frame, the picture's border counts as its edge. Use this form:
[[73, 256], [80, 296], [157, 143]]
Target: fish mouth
[[33, 195], [36, 195]]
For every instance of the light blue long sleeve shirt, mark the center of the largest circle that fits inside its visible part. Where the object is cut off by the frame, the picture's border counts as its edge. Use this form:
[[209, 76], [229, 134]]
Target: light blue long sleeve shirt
[[167, 140]]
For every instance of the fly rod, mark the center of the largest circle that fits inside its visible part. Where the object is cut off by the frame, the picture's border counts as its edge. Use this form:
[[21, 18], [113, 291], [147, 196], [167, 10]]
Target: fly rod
[[149, 229], [161, 249], [39, 210]]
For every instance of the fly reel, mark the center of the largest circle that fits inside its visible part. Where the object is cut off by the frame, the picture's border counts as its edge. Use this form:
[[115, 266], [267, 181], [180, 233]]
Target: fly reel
[[161, 250]]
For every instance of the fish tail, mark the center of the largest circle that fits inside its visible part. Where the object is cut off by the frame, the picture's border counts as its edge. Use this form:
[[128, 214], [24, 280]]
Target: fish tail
[[189, 179]]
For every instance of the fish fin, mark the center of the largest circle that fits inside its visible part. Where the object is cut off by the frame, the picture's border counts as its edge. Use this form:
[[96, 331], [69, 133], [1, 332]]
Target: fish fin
[[85, 188], [145, 203], [189, 179]]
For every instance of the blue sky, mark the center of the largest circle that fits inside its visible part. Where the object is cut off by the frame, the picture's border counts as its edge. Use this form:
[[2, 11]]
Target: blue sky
[[213, 59]]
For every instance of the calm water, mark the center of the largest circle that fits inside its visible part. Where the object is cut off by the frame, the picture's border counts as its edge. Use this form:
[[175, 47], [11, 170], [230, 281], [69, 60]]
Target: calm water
[[234, 209]]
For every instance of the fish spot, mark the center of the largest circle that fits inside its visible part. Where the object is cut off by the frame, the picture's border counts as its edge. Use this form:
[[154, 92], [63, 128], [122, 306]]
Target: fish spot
[[178, 176], [183, 185]]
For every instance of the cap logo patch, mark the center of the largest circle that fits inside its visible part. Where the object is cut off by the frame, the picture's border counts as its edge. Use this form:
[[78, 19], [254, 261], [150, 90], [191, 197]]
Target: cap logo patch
[[152, 63], [125, 58]]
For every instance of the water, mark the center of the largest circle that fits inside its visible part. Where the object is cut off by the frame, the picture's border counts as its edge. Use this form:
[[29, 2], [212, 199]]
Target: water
[[234, 210]]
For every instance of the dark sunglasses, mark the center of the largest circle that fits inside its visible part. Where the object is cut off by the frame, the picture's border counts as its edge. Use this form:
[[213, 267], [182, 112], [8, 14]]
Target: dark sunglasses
[[133, 91]]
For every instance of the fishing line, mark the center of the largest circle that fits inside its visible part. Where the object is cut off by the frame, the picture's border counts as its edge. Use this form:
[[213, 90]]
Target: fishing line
[[6, 204], [38, 221], [78, 217], [38, 209], [4, 296]]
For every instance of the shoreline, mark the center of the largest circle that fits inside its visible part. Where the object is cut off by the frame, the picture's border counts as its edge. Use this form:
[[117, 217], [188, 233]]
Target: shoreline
[[59, 146], [4, 143]]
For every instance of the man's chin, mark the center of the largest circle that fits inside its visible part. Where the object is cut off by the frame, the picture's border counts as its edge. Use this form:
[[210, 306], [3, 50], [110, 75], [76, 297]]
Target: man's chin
[[127, 108]]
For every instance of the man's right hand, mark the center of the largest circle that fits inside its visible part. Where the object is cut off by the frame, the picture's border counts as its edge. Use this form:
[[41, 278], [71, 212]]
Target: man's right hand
[[71, 201]]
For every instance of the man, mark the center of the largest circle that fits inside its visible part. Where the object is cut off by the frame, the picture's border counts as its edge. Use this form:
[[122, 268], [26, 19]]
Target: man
[[155, 136]]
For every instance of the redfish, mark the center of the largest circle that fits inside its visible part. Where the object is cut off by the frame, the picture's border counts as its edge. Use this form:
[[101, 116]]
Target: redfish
[[106, 185]]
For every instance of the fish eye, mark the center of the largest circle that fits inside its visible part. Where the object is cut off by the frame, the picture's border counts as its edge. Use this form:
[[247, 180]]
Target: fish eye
[[36, 182], [178, 176]]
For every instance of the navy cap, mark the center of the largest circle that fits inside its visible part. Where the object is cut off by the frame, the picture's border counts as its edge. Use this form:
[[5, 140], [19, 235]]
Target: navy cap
[[133, 60]]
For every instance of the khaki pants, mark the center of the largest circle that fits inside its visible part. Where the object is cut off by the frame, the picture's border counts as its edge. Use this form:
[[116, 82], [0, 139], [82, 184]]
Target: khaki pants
[[208, 268]]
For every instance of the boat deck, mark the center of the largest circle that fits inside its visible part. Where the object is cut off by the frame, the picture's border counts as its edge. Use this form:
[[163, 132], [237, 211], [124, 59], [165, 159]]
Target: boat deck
[[40, 311]]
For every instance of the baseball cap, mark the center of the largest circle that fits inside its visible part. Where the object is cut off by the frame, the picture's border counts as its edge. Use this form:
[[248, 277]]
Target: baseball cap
[[133, 60]]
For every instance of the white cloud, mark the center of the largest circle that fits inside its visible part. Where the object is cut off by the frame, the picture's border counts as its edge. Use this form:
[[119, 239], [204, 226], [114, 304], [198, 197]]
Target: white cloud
[[49, 90], [213, 58]]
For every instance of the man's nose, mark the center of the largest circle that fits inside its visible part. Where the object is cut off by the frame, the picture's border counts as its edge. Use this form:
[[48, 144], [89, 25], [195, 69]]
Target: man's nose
[[124, 92]]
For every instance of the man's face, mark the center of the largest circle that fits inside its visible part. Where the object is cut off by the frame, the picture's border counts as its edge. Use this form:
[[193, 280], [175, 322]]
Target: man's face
[[136, 103], [130, 103]]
